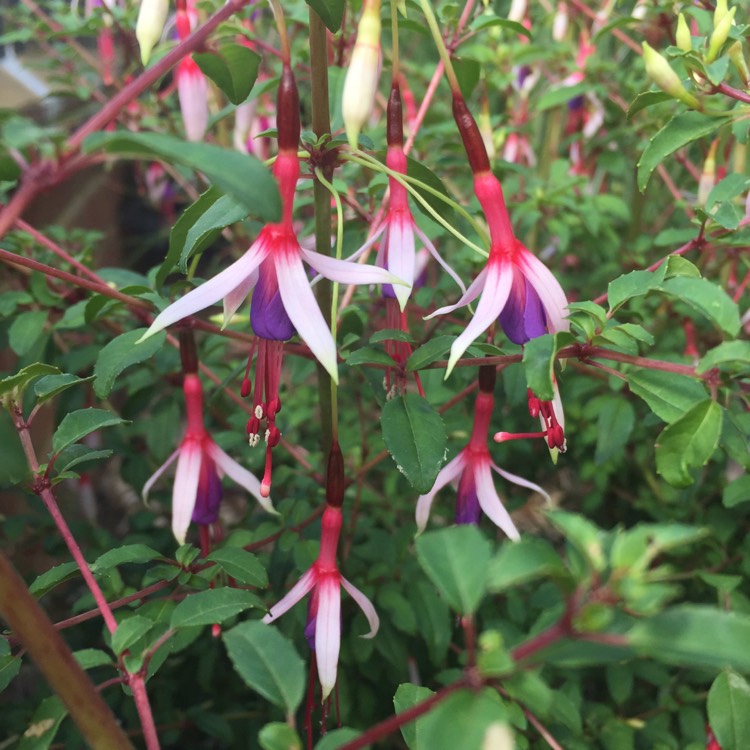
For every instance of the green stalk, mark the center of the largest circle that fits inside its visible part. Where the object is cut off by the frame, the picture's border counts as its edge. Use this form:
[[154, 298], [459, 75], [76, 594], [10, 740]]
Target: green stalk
[[55, 661], [321, 124]]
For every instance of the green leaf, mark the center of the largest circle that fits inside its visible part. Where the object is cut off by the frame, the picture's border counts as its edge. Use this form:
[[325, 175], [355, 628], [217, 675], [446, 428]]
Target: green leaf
[[78, 454], [430, 352], [647, 99], [486, 20], [468, 719], [729, 711], [695, 636], [727, 353], [43, 725], [233, 69], [418, 171], [129, 631], [707, 298], [129, 553], [467, 73], [414, 434], [88, 658], [408, 695], [51, 385], [581, 534], [121, 353], [240, 176], [634, 284], [9, 668], [198, 226], [52, 577], [667, 394], [518, 563], [241, 565], [391, 334], [727, 189], [212, 606], [737, 492], [78, 424], [25, 330], [279, 736], [331, 12], [456, 560], [16, 384], [614, 424], [678, 132], [267, 662], [368, 355], [538, 363], [688, 443], [338, 738]]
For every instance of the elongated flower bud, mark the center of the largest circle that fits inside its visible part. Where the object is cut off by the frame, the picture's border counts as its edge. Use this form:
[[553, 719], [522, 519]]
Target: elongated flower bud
[[560, 23], [517, 10], [683, 37], [738, 60], [364, 71], [708, 175], [661, 73], [719, 36], [148, 30], [721, 9]]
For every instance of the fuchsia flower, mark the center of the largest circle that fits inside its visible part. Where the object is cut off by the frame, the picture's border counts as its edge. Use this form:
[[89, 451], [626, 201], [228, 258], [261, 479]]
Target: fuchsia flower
[[471, 468], [324, 610], [517, 289], [200, 464], [396, 251], [283, 300], [192, 88]]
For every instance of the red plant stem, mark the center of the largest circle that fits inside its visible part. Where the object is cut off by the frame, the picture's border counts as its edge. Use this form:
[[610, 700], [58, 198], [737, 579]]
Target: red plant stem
[[552, 634], [384, 728], [730, 91], [108, 113], [55, 661], [16, 205], [43, 490]]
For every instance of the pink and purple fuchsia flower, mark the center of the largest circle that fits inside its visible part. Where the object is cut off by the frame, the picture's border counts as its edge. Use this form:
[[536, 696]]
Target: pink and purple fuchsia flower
[[472, 470], [323, 579], [197, 489]]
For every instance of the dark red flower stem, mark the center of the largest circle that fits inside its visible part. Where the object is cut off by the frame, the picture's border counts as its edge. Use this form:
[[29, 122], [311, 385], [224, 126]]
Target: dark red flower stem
[[470, 135], [487, 378], [395, 117], [188, 352], [287, 107]]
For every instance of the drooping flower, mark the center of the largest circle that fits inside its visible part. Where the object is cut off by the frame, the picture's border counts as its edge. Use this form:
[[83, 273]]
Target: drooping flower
[[197, 489], [324, 580], [192, 87], [472, 470], [273, 265]]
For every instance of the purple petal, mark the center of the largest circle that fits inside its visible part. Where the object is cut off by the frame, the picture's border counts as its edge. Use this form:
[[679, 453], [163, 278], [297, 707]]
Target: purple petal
[[548, 288], [447, 474], [208, 497], [467, 502], [523, 316], [268, 316]]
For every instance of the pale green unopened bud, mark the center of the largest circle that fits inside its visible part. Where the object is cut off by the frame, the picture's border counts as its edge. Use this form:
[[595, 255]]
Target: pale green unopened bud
[[148, 29], [362, 76], [719, 36], [661, 73], [721, 9], [708, 175], [738, 60], [683, 36]]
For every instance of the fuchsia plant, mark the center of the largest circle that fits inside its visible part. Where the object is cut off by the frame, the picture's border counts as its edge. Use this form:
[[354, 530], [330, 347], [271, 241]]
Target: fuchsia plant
[[454, 613]]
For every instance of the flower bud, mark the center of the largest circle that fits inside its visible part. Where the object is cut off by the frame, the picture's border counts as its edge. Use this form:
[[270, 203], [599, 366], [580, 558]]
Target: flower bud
[[148, 30], [364, 71], [719, 36], [708, 175], [683, 36], [738, 60], [517, 10], [720, 11], [560, 22], [661, 73]]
